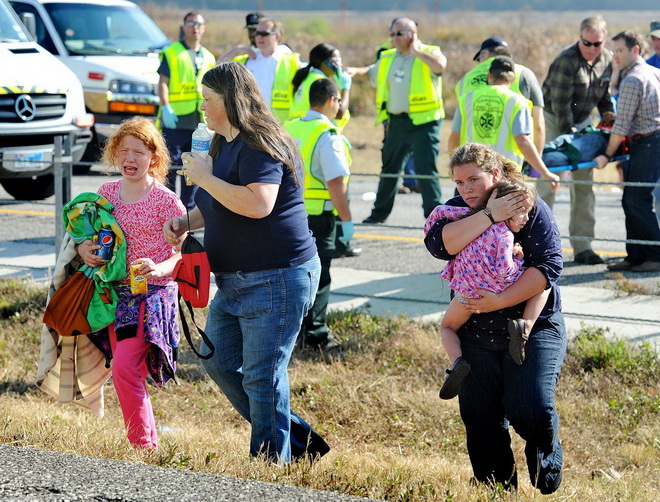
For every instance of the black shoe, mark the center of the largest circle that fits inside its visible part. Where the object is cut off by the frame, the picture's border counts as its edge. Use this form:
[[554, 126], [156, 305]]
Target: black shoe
[[517, 340], [455, 376], [371, 220], [588, 257], [415, 189], [351, 252], [622, 266]]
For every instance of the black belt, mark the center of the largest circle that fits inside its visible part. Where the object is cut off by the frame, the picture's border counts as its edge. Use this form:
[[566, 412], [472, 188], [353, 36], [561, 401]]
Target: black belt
[[399, 115], [637, 137]]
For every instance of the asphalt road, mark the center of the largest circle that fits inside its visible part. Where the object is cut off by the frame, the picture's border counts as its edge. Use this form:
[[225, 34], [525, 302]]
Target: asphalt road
[[394, 247], [28, 474]]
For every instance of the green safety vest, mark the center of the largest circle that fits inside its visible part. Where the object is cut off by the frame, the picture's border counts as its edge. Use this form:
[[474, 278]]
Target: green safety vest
[[478, 77], [487, 116], [425, 96], [300, 103], [282, 93], [185, 88], [306, 134]]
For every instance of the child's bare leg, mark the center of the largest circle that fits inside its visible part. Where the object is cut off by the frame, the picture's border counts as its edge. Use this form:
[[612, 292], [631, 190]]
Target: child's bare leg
[[519, 329], [455, 316]]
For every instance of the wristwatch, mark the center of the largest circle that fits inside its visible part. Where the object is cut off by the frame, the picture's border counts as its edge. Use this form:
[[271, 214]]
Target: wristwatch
[[607, 156], [489, 213]]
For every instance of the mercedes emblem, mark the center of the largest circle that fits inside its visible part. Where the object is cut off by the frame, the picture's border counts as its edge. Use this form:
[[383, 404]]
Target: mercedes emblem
[[25, 107]]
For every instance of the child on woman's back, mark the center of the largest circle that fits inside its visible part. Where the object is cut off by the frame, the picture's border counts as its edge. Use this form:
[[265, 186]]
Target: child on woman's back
[[492, 261], [145, 335]]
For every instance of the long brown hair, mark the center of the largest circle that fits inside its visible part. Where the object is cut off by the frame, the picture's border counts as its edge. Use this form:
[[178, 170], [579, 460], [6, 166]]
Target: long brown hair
[[144, 130], [247, 111]]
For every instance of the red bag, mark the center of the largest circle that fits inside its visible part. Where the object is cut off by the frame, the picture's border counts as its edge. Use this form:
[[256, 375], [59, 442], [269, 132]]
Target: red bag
[[193, 273]]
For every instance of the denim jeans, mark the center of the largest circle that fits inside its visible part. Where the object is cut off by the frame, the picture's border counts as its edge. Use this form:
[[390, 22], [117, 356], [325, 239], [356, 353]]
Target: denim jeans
[[637, 202], [253, 322], [497, 392]]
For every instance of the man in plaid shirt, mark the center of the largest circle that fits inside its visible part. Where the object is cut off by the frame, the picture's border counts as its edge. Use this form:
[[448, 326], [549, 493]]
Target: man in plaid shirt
[[638, 119], [578, 81]]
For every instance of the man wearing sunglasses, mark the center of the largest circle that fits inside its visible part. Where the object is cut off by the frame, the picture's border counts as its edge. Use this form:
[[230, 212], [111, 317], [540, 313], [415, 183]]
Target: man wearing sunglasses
[[272, 64], [578, 81], [409, 95], [181, 69]]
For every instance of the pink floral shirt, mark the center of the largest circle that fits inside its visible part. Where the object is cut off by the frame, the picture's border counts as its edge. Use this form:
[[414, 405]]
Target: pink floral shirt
[[486, 263], [142, 223]]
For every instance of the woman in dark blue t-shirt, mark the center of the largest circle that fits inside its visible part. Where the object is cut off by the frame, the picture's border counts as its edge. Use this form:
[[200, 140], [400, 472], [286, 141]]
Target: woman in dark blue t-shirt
[[263, 256], [497, 392]]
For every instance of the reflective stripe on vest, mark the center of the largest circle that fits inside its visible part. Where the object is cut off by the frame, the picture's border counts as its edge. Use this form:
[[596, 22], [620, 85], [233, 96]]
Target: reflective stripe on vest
[[306, 134], [487, 117], [424, 97], [282, 92], [184, 88], [478, 77]]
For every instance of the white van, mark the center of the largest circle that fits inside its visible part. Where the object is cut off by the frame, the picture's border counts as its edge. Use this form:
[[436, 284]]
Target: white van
[[112, 46], [40, 98]]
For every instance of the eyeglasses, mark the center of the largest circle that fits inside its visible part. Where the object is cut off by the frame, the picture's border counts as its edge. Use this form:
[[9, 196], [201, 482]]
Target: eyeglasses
[[397, 33], [265, 33], [589, 44], [194, 23], [337, 99]]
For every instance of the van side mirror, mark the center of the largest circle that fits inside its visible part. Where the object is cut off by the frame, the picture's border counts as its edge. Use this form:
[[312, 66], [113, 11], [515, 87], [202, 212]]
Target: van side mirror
[[30, 23]]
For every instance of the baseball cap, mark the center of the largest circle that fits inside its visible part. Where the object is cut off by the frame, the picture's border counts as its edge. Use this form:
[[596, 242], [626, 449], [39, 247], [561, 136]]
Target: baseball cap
[[503, 63], [655, 29], [489, 44], [252, 19]]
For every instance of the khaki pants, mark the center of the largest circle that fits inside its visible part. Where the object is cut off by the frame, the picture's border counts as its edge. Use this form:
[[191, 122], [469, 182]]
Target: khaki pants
[[583, 201]]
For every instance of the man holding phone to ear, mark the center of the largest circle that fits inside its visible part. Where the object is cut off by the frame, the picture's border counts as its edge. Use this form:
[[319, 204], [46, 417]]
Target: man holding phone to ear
[[409, 94]]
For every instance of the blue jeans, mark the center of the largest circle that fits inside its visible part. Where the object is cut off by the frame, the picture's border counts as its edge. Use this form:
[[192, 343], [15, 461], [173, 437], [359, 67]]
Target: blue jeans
[[637, 202], [253, 322], [497, 392]]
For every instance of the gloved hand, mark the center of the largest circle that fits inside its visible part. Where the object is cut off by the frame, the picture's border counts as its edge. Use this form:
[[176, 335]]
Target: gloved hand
[[347, 231], [343, 79], [168, 117]]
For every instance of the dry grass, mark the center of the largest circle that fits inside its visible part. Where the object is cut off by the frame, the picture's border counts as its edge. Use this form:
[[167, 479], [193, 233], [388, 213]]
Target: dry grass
[[392, 437]]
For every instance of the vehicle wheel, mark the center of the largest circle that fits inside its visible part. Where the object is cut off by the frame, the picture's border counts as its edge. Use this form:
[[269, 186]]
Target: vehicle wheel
[[30, 189]]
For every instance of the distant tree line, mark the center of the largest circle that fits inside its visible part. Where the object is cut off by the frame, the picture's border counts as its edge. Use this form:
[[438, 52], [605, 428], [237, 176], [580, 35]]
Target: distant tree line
[[400, 5]]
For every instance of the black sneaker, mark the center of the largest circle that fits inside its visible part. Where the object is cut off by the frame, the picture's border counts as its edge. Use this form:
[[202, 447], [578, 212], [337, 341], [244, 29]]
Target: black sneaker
[[371, 220], [455, 376]]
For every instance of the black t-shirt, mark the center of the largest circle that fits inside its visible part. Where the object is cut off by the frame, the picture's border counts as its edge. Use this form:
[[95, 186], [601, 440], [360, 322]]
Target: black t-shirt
[[238, 243]]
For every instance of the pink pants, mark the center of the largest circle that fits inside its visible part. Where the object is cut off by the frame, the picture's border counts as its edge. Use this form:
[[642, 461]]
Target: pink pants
[[129, 373]]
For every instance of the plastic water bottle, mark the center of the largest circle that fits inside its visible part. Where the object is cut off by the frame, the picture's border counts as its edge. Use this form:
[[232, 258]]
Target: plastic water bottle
[[201, 143]]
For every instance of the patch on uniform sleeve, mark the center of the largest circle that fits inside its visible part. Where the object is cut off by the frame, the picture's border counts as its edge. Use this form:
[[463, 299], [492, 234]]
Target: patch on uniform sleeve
[[337, 144]]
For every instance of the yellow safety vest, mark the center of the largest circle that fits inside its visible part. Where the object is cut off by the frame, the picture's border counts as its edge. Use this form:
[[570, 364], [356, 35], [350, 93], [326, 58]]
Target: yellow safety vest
[[478, 77], [487, 116], [185, 88], [425, 97], [282, 93], [307, 133], [300, 103]]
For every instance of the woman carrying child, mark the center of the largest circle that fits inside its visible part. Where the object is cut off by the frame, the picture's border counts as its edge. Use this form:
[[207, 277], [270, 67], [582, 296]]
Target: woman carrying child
[[145, 335], [492, 261], [497, 392]]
